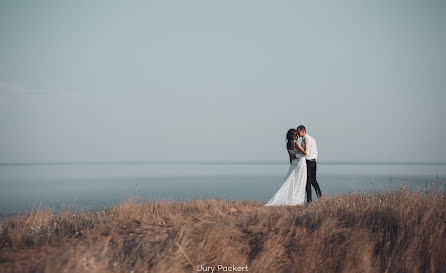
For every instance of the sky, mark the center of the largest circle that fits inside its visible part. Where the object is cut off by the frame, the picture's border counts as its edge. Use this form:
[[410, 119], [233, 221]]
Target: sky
[[221, 80]]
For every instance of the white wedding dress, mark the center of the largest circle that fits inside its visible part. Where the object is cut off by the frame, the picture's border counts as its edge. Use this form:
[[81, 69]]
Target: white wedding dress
[[292, 191]]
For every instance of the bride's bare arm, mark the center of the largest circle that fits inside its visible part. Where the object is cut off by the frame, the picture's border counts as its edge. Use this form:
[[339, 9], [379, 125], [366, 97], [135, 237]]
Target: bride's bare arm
[[302, 149]]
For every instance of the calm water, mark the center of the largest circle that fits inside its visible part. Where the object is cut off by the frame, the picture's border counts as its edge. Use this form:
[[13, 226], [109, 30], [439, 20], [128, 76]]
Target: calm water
[[99, 185]]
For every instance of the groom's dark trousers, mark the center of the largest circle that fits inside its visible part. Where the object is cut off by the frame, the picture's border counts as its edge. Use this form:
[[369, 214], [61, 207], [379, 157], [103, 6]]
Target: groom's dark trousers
[[311, 180]]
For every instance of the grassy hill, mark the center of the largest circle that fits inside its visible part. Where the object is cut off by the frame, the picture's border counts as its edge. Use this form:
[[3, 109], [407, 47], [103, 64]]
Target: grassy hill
[[394, 231]]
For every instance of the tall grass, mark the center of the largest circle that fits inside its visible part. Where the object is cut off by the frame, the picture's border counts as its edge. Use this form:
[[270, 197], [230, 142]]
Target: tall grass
[[385, 231]]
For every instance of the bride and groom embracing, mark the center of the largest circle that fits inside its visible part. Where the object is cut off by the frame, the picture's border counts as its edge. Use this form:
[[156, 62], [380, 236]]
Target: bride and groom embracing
[[302, 173]]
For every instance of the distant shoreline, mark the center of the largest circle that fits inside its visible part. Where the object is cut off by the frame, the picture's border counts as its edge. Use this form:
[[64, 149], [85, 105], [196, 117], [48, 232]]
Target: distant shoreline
[[216, 162]]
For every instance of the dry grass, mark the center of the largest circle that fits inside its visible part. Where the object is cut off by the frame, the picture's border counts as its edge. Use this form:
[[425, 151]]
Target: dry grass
[[399, 231]]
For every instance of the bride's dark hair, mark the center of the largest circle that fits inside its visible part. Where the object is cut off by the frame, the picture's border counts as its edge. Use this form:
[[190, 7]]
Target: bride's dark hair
[[290, 135]]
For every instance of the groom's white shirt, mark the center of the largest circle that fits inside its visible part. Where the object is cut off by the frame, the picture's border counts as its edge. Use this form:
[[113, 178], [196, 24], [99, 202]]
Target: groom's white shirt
[[312, 148]]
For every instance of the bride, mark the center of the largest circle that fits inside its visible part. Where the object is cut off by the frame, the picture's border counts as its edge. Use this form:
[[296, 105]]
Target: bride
[[292, 191]]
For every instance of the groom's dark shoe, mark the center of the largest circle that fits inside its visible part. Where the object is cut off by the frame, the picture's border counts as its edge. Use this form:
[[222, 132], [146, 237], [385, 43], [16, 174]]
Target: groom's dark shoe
[[309, 199], [318, 190]]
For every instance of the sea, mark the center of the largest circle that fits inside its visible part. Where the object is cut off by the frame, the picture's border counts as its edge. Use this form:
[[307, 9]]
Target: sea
[[99, 185]]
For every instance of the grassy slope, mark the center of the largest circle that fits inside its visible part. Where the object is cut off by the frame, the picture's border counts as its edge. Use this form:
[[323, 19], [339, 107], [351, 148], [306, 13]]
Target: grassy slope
[[376, 232]]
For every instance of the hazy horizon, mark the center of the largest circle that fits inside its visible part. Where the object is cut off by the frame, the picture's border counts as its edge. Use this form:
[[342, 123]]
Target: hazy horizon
[[218, 162], [222, 80]]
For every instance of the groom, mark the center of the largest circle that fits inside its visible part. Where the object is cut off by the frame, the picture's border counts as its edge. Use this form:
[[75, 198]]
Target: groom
[[311, 158]]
